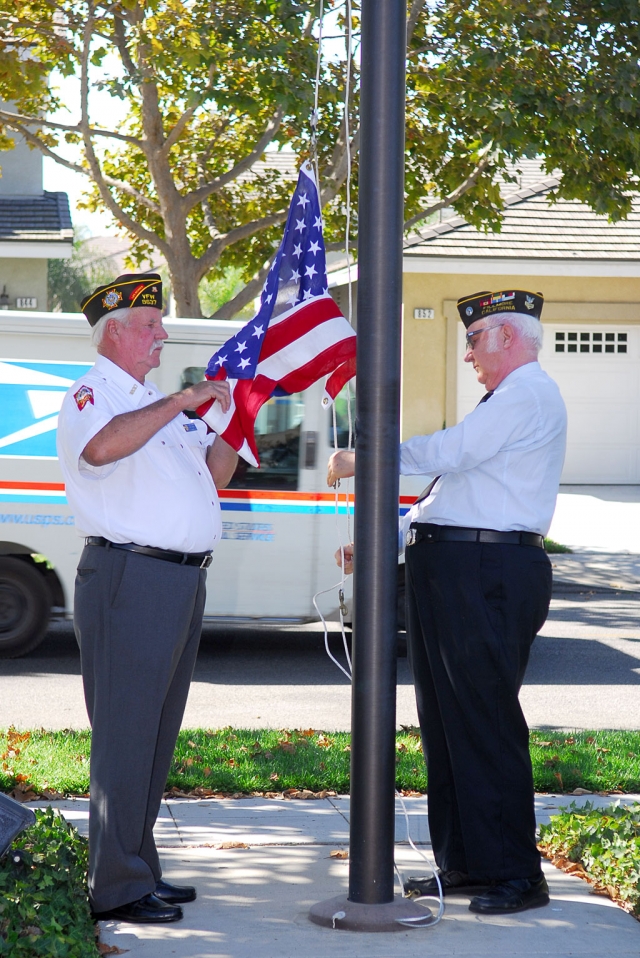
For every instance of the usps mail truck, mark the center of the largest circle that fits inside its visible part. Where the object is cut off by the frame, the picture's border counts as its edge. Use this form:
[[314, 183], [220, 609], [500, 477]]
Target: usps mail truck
[[281, 525]]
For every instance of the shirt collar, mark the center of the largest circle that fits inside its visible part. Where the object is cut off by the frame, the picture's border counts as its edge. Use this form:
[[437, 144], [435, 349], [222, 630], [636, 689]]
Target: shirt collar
[[522, 372], [115, 374]]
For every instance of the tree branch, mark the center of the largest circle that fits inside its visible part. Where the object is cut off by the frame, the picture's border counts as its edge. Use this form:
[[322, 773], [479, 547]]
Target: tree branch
[[338, 168], [212, 254], [197, 196], [247, 293], [454, 195], [121, 43], [70, 165], [67, 127], [417, 6], [178, 129], [94, 165]]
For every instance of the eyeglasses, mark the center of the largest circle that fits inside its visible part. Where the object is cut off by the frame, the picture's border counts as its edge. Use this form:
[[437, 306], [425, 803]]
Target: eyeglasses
[[469, 338]]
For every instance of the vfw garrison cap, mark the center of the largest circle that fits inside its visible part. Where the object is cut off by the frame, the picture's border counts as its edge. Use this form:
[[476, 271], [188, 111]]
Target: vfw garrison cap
[[128, 290], [485, 303]]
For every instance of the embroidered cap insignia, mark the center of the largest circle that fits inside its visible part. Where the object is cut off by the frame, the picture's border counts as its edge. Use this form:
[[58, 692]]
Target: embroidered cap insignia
[[111, 299]]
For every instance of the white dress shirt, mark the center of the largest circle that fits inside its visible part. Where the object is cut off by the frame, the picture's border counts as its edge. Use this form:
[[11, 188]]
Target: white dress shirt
[[162, 495], [500, 467]]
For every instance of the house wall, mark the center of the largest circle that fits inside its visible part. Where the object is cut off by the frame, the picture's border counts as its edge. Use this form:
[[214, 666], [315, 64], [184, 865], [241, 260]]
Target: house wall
[[24, 277], [21, 170], [430, 346]]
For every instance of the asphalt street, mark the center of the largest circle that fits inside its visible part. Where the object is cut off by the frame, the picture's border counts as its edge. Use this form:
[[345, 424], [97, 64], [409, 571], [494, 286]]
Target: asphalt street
[[584, 672]]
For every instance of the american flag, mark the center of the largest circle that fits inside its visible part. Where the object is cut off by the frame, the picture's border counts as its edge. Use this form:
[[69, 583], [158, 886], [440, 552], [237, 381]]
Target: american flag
[[297, 336]]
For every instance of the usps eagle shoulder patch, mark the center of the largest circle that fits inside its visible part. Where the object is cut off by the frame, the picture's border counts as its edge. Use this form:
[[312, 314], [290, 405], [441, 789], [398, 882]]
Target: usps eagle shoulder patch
[[83, 396]]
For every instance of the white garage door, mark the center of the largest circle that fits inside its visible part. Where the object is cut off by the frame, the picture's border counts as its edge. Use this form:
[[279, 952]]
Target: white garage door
[[598, 371]]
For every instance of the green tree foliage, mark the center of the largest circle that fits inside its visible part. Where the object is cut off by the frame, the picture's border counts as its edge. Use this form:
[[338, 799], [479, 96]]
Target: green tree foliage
[[208, 86], [69, 280]]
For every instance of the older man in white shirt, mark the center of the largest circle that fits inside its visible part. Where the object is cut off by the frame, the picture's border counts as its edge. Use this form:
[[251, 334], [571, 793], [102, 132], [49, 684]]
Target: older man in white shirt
[[478, 591], [141, 477]]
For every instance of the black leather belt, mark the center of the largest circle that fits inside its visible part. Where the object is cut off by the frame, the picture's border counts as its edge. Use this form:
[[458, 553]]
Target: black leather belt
[[430, 532], [201, 559]]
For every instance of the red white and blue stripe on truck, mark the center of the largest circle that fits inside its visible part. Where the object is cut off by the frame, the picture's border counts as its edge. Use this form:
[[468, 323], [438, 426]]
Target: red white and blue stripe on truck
[[231, 500]]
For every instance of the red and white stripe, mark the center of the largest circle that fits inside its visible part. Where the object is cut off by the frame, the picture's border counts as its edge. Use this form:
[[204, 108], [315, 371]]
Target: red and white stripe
[[311, 340]]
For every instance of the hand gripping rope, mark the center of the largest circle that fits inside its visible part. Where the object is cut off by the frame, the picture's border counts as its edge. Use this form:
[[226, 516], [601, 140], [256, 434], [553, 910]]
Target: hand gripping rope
[[429, 919]]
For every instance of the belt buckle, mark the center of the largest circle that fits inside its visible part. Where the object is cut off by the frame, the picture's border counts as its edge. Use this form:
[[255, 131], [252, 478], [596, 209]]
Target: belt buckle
[[206, 562], [410, 537]]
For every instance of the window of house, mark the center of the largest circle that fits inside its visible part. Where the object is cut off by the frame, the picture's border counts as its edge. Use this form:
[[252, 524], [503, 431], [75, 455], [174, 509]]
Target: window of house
[[570, 342]]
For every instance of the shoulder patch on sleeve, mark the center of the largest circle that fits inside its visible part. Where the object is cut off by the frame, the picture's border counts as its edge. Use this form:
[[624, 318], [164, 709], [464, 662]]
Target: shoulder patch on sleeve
[[83, 396]]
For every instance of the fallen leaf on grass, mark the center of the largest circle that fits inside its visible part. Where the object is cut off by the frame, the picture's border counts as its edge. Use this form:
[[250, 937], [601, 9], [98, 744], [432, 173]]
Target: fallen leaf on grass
[[19, 794], [338, 853]]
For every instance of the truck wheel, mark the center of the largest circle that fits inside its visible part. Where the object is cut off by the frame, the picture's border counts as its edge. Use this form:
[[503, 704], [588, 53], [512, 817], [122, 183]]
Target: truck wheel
[[24, 607]]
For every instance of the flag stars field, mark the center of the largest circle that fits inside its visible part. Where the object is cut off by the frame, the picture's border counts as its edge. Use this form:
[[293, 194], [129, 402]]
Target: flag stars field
[[297, 336]]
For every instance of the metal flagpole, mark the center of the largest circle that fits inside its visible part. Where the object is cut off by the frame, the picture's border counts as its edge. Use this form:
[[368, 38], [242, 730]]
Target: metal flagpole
[[370, 904]]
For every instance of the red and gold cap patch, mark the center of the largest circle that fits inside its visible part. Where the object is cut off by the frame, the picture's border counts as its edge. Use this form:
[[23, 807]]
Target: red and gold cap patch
[[127, 291], [83, 396]]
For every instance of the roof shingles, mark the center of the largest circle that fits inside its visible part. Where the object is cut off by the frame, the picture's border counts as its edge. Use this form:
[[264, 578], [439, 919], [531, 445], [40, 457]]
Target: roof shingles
[[31, 219], [534, 228]]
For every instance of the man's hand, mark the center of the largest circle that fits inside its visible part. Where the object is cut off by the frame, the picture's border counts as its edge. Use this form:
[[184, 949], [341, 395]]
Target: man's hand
[[348, 558], [200, 393], [342, 464]]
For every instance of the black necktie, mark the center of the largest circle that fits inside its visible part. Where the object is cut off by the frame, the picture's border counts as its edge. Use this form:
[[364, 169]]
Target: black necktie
[[427, 492]]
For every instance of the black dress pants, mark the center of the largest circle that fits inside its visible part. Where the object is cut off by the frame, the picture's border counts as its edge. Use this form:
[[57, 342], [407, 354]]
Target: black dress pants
[[473, 611]]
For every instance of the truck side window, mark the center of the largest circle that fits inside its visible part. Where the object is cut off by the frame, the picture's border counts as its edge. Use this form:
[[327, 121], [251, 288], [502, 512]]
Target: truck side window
[[191, 375], [346, 398], [277, 434]]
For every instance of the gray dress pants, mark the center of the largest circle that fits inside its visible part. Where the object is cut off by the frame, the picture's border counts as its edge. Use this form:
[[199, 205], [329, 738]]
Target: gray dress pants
[[137, 622]]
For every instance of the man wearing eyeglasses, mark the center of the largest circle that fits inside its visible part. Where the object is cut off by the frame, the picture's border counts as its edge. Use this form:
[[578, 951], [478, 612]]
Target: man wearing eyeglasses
[[478, 591]]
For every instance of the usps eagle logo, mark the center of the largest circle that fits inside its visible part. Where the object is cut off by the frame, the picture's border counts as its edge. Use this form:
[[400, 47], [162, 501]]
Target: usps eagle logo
[[83, 396], [111, 299]]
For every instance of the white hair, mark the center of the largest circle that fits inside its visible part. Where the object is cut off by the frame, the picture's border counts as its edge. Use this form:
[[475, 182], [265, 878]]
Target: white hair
[[122, 315], [528, 327]]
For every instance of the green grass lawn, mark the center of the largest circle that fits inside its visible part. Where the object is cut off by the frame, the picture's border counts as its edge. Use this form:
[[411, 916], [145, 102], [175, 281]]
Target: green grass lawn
[[243, 761]]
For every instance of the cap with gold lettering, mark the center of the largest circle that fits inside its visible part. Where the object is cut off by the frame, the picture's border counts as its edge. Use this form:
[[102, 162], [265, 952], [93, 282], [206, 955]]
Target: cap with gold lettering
[[128, 290], [485, 303]]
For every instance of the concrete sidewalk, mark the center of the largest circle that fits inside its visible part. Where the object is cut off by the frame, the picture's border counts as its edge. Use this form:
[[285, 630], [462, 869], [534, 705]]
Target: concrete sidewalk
[[253, 899]]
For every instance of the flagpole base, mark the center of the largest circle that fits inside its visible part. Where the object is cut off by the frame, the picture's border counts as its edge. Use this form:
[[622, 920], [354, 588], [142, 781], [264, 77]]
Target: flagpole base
[[344, 915]]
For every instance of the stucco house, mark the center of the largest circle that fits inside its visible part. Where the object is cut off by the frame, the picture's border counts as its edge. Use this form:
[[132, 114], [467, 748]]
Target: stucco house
[[589, 272], [35, 226]]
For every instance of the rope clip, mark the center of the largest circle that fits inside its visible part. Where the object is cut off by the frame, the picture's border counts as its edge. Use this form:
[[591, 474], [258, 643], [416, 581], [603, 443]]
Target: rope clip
[[343, 607]]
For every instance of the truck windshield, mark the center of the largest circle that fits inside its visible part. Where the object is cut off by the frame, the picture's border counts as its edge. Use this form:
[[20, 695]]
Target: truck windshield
[[277, 432]]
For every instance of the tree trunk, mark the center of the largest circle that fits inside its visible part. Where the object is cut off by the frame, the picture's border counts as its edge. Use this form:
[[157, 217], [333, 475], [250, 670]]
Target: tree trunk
[[184, 286]]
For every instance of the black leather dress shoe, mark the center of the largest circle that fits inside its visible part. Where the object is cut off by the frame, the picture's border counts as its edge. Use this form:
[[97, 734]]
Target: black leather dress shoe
[[509, 896], [174, 894], [145, 910], [453, 883]]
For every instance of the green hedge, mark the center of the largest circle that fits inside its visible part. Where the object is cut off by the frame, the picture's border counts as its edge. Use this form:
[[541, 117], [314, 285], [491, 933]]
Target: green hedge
[[604, 843], [44, 909]]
